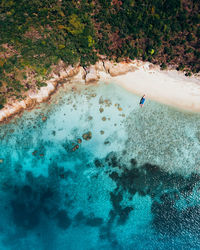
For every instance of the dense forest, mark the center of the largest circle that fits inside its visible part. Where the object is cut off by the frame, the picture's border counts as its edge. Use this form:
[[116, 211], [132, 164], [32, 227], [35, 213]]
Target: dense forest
[[34, 35]]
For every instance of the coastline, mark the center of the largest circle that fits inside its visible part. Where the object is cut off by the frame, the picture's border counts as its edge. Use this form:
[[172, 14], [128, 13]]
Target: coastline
[[169, 87]]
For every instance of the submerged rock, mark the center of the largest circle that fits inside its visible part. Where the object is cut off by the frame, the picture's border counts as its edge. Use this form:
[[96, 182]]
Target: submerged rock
[[63, 220], [75, 147], [87, 136], [101, 100], [101, 110], [34, 152], [94, 222], [79, 140], [107, 102], [106, 142], [44, 118], [90, 118]]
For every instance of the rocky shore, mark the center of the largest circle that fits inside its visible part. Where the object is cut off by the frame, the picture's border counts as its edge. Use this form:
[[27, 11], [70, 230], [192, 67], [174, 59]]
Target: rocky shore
[[169, 87], [91, 74]]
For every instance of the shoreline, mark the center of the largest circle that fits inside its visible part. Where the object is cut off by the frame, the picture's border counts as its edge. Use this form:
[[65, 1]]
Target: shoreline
[[169, 87]]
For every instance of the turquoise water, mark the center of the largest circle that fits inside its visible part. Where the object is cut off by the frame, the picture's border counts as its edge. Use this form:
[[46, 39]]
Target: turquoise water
[[134, 184]]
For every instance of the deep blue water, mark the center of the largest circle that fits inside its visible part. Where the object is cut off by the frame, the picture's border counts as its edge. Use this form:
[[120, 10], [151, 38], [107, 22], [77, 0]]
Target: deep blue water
[[133, 185]]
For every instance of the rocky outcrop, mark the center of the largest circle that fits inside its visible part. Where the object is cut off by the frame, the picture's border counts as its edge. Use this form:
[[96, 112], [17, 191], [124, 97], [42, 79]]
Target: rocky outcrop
[[99, 66], [115, 69], [37, 96], [91, 74], [44, 92], [87, 136]]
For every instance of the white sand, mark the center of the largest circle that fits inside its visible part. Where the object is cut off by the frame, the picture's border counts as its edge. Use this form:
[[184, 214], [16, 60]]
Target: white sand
[[167, 87]]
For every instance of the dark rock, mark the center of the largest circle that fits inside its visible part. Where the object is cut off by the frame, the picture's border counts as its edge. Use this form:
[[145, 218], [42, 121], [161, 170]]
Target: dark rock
[[87, 136], [63, 221]]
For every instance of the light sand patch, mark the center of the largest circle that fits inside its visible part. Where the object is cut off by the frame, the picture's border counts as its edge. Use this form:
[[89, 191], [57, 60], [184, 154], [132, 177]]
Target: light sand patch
[[168, 87]]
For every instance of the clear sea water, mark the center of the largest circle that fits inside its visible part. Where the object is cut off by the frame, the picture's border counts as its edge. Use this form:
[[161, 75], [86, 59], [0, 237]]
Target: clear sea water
[[135, 184]]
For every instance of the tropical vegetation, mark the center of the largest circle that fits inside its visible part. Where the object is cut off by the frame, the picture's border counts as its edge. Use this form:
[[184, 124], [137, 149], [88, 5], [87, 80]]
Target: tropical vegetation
[[34, 35]]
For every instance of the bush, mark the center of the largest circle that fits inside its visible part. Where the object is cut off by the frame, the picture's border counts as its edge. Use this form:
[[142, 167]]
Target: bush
[[2, 101], [168, 50], [181, 67], [41, 84], [190, 37], [188, 74], [163, 66]]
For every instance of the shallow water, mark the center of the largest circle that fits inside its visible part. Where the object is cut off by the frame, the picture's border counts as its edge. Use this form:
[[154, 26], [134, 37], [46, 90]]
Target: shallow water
[[133, 185]]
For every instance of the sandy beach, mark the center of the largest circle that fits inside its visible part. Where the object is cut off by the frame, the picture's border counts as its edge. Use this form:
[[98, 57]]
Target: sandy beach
[[169, 87]]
